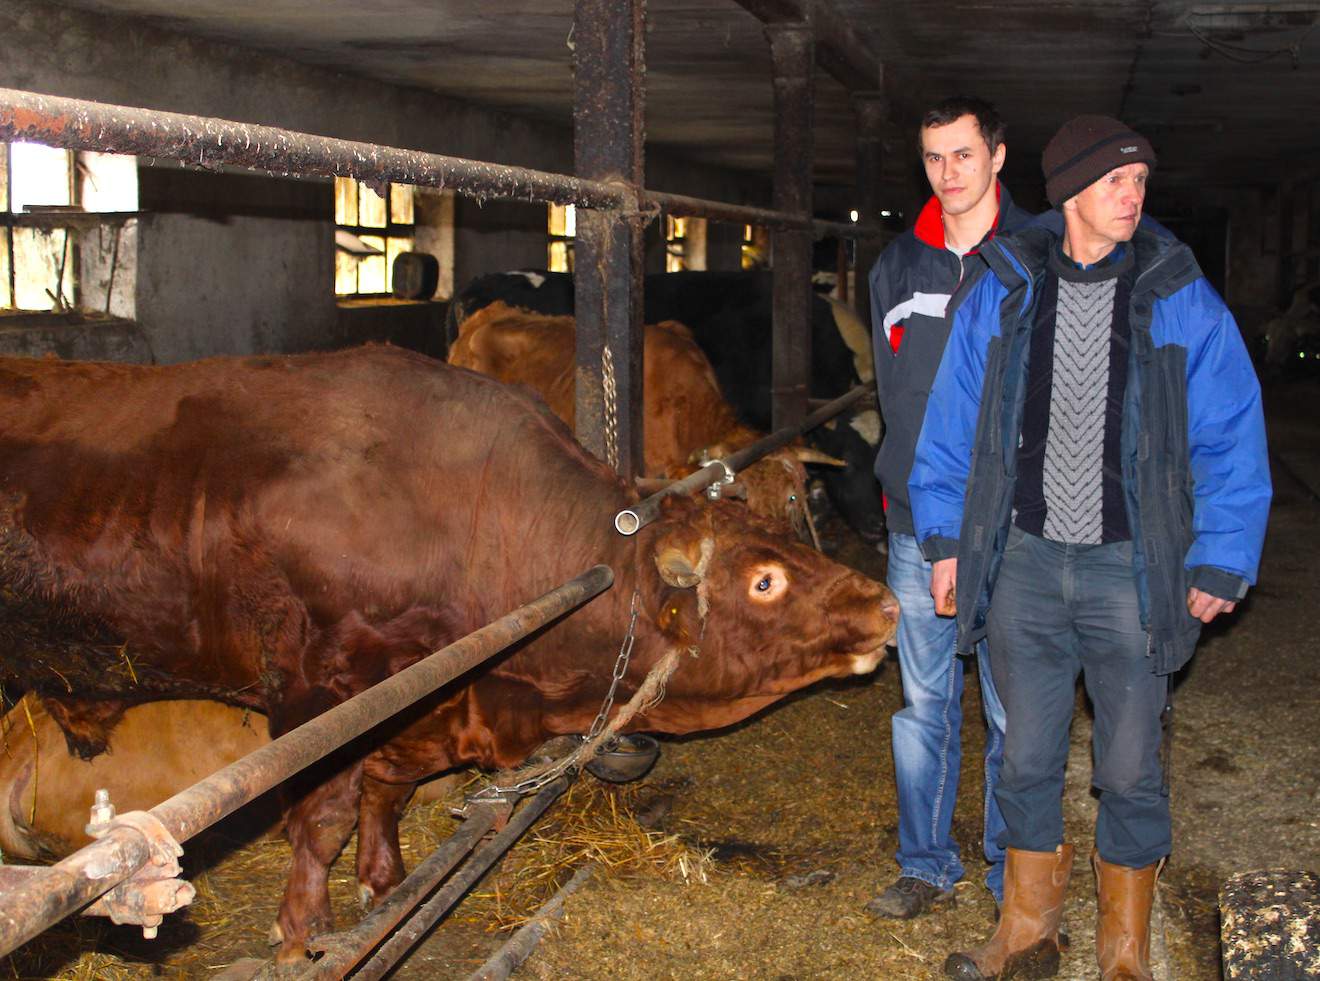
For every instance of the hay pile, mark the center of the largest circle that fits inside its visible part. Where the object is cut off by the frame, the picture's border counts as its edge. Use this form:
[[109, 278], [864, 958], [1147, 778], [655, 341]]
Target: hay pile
[[239, 882]]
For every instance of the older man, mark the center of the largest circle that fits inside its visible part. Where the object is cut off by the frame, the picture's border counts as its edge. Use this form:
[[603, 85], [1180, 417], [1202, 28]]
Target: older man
[[1092, 478]]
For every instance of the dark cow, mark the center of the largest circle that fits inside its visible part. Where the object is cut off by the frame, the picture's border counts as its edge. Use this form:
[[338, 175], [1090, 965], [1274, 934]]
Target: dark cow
[[729, 314], [283, 532]]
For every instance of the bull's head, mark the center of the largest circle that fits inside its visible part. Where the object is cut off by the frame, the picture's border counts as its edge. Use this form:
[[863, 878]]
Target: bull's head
[[763, 616]]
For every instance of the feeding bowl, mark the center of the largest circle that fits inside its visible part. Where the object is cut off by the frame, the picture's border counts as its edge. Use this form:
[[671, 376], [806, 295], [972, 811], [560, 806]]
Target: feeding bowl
[[628, 759]]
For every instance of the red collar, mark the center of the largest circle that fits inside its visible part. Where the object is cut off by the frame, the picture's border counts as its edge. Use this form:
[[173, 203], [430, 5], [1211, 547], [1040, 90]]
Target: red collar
[[930, 223]]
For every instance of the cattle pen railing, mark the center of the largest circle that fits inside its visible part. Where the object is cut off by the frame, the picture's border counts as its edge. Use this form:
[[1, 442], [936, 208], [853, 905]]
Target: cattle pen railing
[[79, 124], [632, 519], [35, 898]]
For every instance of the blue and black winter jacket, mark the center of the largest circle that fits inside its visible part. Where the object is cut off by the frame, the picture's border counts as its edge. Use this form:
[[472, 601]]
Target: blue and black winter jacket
[[1195, 467], [916, 286]]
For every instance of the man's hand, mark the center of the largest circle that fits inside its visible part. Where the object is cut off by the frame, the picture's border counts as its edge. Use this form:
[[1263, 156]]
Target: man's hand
[[1201, 605], [943, 580]]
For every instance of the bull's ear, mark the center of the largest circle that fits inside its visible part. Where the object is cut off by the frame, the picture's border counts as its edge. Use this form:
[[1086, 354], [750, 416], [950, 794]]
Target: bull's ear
[[806, 454], [678, 617], [676, 568]]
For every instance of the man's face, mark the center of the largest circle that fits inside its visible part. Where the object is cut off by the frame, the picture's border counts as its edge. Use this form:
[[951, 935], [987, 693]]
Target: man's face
[[1110, 208], [959, 165]]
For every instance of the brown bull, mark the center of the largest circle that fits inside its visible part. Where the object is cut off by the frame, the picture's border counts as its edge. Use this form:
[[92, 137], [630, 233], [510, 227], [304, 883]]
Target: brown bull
[[684, 411], [282, 533]]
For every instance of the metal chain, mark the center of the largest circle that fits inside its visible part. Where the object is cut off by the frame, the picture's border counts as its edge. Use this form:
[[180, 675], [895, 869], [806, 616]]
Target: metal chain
[[531, 785], [611, 392]]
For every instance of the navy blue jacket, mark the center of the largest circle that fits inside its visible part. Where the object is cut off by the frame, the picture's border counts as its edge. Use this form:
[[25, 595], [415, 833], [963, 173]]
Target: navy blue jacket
[[1195, 467], [916, 286]]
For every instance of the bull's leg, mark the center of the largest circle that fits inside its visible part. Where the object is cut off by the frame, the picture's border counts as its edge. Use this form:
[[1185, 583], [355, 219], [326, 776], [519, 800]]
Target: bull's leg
[[379, 860], [318, 827]]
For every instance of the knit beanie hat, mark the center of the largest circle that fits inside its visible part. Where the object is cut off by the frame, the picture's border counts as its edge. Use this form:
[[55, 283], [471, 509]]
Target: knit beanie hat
[[1085, 149]]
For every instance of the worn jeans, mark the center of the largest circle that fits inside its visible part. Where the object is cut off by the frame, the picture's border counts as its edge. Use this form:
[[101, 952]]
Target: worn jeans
[[1058, 610], [927, 731]]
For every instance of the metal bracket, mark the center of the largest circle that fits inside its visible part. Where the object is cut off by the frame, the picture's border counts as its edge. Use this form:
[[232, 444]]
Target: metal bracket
[[716, 490], [155, 889]]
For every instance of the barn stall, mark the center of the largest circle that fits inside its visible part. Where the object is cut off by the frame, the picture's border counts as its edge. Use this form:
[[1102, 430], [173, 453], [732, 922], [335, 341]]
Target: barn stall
[[767, 853]]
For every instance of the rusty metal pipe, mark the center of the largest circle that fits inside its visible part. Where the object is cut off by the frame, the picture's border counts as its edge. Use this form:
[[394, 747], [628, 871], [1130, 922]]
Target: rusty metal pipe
[[48, 895], [632, 519], [519, 947], [105, 863], [452, 891], [679, 204], [206, 802], [344, 950], [79, 124]]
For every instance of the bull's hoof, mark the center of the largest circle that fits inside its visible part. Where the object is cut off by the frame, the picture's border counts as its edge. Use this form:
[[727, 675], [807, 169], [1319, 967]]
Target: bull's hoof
[[276, 935], [366, 897], [962, 967]]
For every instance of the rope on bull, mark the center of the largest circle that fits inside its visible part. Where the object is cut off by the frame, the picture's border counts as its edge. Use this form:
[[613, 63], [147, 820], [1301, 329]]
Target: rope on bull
[[648, 694]]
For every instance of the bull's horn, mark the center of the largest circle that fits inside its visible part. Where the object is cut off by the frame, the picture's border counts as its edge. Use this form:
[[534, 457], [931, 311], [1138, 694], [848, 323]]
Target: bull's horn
[[806, 454], [676, 569]]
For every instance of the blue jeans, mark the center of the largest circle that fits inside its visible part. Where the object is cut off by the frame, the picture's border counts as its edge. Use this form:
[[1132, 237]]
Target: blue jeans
[[927, 746], [1059, 610]]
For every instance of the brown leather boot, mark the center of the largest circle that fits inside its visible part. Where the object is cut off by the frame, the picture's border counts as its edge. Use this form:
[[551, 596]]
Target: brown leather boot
[[1026, 942], [1122, 933]]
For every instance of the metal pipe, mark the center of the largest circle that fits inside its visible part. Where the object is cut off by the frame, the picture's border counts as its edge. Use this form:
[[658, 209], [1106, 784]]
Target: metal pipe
[[452, 891], [104, 864], [608, 142], [792, 55], [632, 519], [745, 214], [344, 950], [79, 124], [519, 947], [49, 895]]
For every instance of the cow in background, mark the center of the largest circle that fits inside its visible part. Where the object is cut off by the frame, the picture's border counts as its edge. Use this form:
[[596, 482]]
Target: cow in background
[[685, 417], [155, 750], [729, 315], [281, 533]]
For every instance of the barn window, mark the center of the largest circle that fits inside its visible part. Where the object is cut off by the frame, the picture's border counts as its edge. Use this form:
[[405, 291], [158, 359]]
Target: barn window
[[371, 228], [755, 247], [685, 243], [58, 250], [561, 226]]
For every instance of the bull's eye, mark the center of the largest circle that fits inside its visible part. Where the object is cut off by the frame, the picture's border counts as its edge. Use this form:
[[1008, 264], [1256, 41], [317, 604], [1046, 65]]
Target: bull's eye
[[766, 582], [792, 498]]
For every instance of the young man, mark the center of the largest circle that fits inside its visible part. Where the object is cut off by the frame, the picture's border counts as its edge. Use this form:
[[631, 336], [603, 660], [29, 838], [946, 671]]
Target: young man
[[1093, 478], [916, 286]]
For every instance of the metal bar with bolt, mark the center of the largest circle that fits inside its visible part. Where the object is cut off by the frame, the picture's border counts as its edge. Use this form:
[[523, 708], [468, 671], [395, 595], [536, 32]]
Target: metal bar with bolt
[[343, 951], [79, 124], [130, 845], [407, 936], [632, 519]]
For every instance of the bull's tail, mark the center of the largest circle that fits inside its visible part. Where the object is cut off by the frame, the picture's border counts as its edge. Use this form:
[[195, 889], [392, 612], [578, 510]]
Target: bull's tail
[[19, 784], [17, 838]]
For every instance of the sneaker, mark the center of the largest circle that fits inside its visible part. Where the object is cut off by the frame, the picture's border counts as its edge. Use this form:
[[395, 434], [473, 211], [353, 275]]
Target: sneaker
[[908, 897]]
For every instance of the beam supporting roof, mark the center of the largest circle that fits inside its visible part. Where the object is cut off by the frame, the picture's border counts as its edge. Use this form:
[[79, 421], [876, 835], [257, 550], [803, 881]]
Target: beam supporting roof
[[838, 48]]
